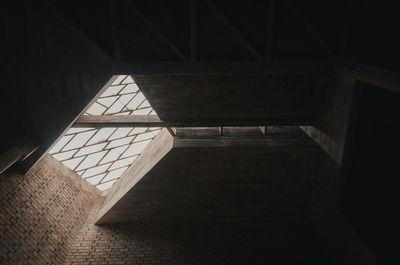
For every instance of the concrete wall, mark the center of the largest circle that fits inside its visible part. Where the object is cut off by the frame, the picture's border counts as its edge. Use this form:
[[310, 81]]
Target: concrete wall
[[41, 213], [341, 243], [220, 179], [331, 115], [51, 71]]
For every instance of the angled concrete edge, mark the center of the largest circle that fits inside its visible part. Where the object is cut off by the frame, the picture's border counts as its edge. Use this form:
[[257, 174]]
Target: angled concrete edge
[[150, 156], [240, 142]]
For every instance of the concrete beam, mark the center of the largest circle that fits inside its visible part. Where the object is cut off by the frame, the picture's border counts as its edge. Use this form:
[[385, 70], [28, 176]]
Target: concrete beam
[[154, 121], [375, 76], [222, 68], [150, 156], [19, 152]]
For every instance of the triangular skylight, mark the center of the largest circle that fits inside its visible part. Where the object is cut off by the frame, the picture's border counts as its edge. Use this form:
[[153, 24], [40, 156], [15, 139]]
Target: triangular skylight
[[102, 155]]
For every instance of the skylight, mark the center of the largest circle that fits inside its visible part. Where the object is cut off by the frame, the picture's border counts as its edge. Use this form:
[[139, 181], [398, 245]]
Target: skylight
[[102, 155]]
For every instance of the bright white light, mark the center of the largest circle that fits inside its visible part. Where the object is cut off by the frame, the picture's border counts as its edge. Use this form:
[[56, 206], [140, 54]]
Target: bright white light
[[102, 155]]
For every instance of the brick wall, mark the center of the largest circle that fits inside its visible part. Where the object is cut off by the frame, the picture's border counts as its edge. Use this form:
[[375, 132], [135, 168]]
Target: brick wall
[[163, 242], [41, 213]]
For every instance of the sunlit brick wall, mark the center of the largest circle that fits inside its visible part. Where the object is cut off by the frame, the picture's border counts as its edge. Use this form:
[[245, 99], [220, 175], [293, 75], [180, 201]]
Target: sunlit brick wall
[[41, 213]]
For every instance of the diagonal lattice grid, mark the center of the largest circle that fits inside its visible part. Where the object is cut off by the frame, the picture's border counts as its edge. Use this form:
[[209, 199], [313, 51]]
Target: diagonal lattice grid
[[123, 97], [102, 155]]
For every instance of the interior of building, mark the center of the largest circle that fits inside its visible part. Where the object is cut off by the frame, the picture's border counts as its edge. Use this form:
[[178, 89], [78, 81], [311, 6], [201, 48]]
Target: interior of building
[[199, 132]]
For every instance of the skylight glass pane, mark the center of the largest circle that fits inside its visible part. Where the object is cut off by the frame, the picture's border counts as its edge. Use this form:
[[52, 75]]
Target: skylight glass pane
[[115, 174], [79, 140], [116, 107], [127, 80], [119, 79], [78, 130], [114, 154], [114, 90], [101, 135], [96, 179], [135, 148], [126, 98], [96, 170], [142, 112], [120, 132], [64, 155], [96, 109], [119, 142], [90, 149], [102, 155], [60, 144], [108, 101], [136, 101], [105, 186], [123, 162], [91, 160], [123, 113], [138, 130], [145, 136], [145, 104], [107, 93], [72, 163], [131, 88]]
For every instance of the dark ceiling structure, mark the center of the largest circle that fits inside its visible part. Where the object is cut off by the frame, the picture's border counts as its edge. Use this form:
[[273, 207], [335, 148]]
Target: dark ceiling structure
[[286, 65]]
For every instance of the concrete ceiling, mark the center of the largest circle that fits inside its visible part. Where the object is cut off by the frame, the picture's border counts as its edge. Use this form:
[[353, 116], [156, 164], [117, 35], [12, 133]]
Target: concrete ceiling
[[235, 97], [58, 55]]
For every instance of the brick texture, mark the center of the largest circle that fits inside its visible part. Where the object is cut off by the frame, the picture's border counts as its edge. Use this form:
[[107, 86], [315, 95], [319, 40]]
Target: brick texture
[[48, 217], [41, 212], [273, 242]]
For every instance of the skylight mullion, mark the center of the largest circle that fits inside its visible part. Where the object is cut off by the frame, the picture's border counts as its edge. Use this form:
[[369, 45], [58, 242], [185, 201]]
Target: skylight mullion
[[109, 172], [89, 145], [87, 129], [106, 182], [98, 163], [102, 150], [73, 156], [119, 81], [115, 102], [111, 105], [124, 80], [123, 87], [108, 151], [67, 143], [84, 145], [103, 167], [119, 138], [108, 138], [140, 104], [91, 137], [101, 180], [128, 102], [102, 105], [120, 155], [75, 168], [131, 93]]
